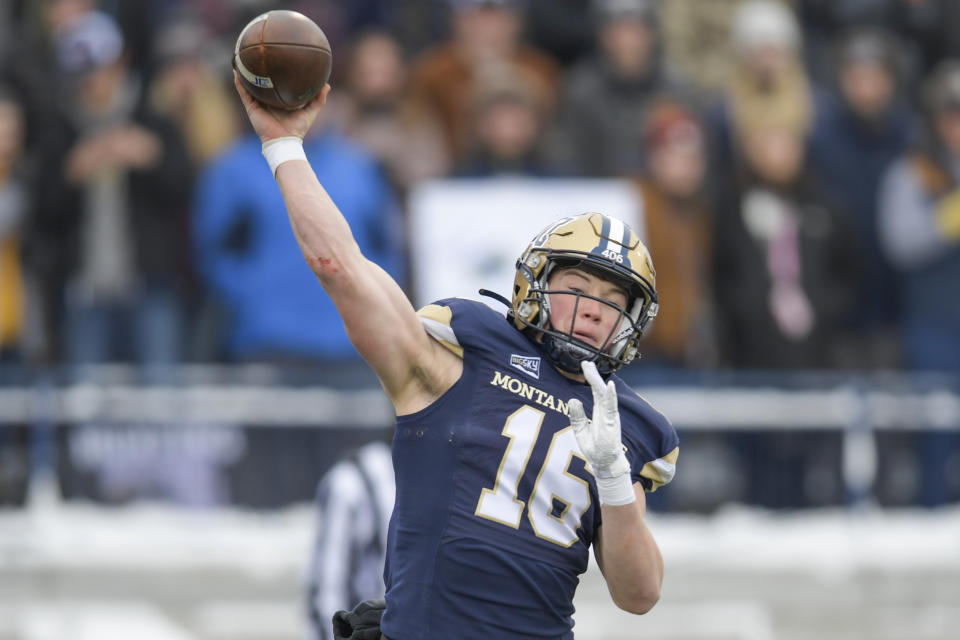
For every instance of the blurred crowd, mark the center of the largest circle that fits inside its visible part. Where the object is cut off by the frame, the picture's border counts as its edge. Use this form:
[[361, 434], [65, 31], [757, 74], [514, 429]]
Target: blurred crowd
[[798, 165]]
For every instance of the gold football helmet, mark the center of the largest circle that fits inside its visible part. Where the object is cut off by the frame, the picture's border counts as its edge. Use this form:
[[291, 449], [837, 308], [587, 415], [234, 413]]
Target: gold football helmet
[[607, 247]]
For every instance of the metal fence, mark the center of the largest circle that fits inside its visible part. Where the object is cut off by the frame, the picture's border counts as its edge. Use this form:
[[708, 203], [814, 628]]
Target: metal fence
[[261, 435]]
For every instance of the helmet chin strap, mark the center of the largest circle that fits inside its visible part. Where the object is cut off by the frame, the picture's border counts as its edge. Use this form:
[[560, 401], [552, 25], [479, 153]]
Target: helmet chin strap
[[567, 356]]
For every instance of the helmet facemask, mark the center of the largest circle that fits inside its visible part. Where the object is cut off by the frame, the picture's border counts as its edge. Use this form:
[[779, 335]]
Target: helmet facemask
[[618, 348]]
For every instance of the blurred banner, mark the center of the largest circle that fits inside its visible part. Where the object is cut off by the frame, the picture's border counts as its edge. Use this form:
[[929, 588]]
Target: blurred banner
[[467, 234], [249, 436], [200, 465]]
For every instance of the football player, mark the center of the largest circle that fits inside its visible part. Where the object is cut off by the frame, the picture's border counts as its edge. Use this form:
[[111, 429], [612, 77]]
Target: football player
[[516, 449]]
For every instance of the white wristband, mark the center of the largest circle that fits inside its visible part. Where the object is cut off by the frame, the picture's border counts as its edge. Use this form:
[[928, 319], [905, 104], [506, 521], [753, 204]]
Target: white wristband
[[616, 491], [280, 150]]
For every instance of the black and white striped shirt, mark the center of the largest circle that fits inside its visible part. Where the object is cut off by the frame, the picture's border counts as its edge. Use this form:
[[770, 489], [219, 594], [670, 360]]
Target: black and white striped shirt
[[354, 501]]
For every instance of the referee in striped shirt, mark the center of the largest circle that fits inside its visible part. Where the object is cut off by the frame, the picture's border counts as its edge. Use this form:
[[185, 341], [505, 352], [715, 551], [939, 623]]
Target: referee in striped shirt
[[354, 500]]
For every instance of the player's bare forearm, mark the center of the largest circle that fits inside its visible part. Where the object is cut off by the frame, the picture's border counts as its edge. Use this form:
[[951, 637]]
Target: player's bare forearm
[[629, 556], [378, 317], [320, 229]]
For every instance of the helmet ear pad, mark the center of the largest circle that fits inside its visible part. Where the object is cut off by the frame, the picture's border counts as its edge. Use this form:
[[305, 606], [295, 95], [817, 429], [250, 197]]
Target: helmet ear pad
[[527, 301]]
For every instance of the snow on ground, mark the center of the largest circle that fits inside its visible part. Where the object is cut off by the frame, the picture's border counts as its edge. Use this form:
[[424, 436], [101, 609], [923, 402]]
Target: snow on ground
[[155, 536], [162, 573]]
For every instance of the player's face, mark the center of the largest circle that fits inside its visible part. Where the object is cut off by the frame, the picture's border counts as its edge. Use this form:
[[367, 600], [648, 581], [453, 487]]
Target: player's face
[[588, 320]]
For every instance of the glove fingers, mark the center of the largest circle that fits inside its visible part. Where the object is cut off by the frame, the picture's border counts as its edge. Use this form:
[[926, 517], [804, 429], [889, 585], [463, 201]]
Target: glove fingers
[[578, 418], [592, 375], [610, 403], [597, 386]]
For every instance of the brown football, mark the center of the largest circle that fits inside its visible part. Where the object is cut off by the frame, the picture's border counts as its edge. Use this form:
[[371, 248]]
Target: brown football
[[283, 58]]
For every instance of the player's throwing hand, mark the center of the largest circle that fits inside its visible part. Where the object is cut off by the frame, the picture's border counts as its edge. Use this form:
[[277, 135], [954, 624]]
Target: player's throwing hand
[[271, 124], [599, 439]]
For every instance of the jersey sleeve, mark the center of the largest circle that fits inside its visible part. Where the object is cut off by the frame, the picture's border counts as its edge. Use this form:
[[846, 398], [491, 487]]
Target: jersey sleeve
[[656, 473], [457, 323], [437, 320], [652, 445]]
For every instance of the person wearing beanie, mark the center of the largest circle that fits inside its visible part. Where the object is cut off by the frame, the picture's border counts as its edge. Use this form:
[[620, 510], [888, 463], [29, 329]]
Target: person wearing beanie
[[862, 125], [919, 226], [606, 97], [677, 219], [113, 205], [767, 85]]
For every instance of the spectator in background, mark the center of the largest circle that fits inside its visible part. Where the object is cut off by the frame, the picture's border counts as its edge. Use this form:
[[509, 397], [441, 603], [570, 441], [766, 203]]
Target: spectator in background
[[354, 502], [920, 231], [919, 225], [917, 25], [189, 89], [940, 39], [416, 24], [508, 129], [926, 32], [28, 62], [784, 268], [485, 33], [561, 28], [605, 97], [767, 84], [15, 441], [14, 207], [861, 127], [111, 213], [251, 264], [187, 85], [50, 20], [373, 108], [696, 37], [785, 262], [28, 57], [673, 195], [677, 220]]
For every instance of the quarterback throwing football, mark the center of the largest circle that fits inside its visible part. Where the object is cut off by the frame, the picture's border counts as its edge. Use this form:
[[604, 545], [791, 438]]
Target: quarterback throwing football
[[516, 447]]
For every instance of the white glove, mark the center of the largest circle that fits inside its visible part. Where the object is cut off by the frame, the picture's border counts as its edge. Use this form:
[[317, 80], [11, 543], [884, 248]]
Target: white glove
[[599, 439]]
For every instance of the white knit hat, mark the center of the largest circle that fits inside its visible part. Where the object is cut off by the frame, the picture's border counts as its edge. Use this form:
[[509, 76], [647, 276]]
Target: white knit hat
[[93, 42], [764, 23]]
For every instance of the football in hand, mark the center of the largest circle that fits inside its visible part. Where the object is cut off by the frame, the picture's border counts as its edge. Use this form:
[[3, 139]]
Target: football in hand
[[283, 59]]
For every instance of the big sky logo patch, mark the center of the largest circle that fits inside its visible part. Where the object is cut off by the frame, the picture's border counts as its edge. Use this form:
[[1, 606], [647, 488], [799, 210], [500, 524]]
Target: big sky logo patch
[[530, 365]]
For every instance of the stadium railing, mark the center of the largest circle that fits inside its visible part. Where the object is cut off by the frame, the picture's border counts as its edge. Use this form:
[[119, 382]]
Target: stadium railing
[[320, 419]]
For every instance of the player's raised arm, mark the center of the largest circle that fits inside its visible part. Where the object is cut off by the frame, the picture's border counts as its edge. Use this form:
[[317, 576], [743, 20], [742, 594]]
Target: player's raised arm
[[378, 317]]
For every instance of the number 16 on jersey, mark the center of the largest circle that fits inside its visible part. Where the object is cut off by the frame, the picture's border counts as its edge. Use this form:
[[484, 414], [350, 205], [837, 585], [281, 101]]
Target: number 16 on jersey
[[555, 483]]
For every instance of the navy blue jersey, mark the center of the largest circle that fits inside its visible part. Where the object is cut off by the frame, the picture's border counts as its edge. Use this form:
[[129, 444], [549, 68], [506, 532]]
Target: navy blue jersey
[[496, 507]]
